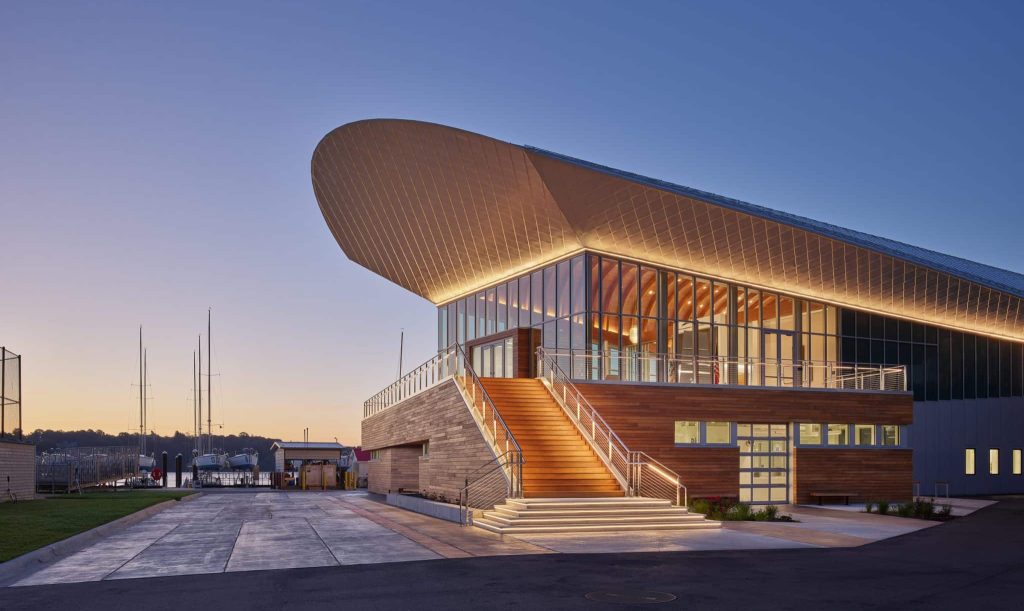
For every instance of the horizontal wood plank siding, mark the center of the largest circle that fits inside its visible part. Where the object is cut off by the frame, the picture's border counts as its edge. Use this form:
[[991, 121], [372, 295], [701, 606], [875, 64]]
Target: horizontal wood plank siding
[[873, 475]]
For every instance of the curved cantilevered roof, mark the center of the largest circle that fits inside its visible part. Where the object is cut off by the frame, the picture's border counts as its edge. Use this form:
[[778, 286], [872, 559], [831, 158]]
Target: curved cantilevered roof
[[442, 212]]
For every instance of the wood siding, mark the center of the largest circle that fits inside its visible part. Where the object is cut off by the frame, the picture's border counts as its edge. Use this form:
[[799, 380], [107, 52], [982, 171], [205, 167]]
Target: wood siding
[[644, 417], [870, 474], [649, 404]]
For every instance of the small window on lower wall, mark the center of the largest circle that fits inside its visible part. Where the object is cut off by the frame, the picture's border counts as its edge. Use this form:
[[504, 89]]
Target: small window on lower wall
[[838, 434], [889, 435], [374, 455], [864, 434], [810, 434], [993, 462], [718, 433], [696, 432], [969, 461], [1016, 461], [687, 431]]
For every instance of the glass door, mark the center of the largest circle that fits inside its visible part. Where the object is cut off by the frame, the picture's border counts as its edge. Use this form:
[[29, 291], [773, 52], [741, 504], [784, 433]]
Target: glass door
[[764, 463], [779, 350]]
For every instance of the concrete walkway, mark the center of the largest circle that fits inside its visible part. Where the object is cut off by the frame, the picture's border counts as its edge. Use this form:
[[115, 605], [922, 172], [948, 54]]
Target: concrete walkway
[[237, 532], [231, 532]]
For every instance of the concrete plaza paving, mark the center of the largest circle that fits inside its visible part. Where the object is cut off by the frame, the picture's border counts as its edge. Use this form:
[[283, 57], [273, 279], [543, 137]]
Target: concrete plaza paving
[[235, 531]]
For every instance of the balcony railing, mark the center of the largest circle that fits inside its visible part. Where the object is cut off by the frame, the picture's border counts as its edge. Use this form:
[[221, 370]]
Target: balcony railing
[[435, 370], [730, 371]]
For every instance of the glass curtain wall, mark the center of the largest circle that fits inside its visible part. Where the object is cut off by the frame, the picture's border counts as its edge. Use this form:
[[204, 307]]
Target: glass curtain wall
[[631, 322]]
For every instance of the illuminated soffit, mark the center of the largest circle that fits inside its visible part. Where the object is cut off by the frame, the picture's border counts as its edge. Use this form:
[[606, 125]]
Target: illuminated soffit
[[441, 212]]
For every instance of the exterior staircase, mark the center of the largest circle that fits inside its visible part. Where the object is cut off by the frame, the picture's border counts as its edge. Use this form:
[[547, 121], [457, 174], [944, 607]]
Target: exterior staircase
[[559, 461], [574, 515]]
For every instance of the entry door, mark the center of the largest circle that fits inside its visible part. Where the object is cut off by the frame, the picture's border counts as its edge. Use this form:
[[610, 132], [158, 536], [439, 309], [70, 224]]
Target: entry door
[[779, 352], [764, 463]]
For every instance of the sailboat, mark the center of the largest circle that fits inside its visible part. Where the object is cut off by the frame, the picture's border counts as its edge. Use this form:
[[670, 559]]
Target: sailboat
[[246, 460], [146, 462], [207, 458]]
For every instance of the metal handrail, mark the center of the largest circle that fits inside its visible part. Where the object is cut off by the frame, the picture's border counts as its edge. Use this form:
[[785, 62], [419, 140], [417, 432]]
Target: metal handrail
[[654, 367], [510, 461], [497, 433], [432, 372], [630, 468]]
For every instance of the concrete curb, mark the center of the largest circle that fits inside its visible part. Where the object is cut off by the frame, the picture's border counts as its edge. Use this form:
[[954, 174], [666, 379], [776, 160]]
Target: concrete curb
[[21, 566]]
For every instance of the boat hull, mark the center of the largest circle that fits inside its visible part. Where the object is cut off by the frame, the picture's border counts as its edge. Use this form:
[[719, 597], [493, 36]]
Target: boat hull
[[243, 462], [211, 462]]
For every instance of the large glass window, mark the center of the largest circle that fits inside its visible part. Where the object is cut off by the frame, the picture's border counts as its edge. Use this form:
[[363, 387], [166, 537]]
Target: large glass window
[[609, 286], [550, 292], [578, 287], [969, 461], [537, 297], [1015, 454], [993, 462], [524, 301]]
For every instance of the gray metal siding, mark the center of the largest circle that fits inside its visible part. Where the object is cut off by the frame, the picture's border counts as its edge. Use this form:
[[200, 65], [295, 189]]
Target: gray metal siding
[[942, 430]]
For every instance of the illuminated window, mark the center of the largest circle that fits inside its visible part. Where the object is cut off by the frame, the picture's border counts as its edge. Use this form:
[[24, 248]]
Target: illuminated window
[[889, 435], [864, 434], [687, 431], [1015, 454], [718, 432], [838, 434], [969, 461], [993, 462], [810, 434]]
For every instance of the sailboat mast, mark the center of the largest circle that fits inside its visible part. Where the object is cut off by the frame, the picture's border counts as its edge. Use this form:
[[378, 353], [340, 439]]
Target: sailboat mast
[[209, 381], [145, 410], [199, 385], [142, 394], [195, 414]]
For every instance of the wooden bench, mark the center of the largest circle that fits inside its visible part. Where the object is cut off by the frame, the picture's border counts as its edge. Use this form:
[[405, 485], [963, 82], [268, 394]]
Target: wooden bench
[[834, 495]]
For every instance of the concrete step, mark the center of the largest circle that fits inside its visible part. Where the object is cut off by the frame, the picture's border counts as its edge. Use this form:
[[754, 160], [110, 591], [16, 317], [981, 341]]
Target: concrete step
[[591, 528], [590, 520]]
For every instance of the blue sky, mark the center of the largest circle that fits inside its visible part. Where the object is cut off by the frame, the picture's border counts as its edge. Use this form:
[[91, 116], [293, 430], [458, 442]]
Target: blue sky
[[154, 161]]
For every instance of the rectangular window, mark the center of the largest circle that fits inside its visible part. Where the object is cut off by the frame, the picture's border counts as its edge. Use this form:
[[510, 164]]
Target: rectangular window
[[993, 462], [889, 435], [513, 304], [609, 286], [374, 455], [550, 292], [864, 434], [492, 311], [718, 432], [687, 431], [1015, 455], [838, 434], [426, 448], [969, 461], [810, 434], [502, 315], [524, 301]]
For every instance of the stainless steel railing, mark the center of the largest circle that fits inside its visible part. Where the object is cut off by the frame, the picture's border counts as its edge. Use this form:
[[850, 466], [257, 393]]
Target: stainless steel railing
[[637, 473], [490, 484], [454, 363], [435, 370], [733, 371]]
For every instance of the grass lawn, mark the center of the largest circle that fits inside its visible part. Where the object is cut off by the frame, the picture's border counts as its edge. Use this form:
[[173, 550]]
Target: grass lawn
[[29, 525]]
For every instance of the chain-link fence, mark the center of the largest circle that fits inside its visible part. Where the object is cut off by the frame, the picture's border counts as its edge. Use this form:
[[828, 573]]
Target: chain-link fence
[[10, 394]]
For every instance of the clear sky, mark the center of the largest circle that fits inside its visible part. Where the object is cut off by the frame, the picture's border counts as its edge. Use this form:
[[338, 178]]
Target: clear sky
[[154, 161]]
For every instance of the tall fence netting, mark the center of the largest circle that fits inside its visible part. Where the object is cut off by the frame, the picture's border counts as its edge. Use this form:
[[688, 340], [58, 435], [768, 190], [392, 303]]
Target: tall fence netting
[[10, 394]]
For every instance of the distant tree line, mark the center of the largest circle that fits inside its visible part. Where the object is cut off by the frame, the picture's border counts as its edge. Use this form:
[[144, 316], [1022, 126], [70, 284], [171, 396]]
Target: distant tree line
[[179, 443]]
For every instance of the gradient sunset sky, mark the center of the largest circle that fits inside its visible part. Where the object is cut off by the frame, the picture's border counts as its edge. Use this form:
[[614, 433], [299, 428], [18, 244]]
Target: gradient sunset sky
[[154, 162]]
